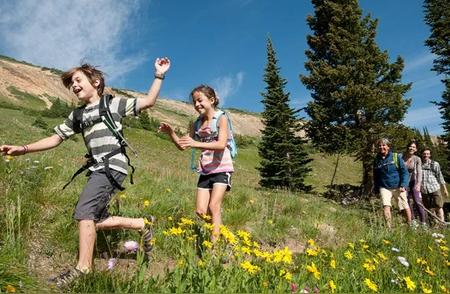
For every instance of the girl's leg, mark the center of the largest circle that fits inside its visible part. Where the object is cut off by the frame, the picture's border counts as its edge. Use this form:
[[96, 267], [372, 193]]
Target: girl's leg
[[215, 206], [411, 202], [118, 222], [418, 203], [202, 201]]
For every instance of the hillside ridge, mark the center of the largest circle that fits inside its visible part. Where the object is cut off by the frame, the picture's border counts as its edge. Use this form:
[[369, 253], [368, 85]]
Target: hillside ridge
[[20, 79]]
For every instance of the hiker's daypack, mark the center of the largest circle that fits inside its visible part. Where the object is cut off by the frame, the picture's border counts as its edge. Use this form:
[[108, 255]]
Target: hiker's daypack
[[231, 142], [106, 118]]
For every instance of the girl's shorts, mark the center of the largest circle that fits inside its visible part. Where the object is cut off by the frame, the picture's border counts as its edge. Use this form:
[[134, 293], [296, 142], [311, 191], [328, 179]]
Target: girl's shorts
[[208, 181], [94, 200]]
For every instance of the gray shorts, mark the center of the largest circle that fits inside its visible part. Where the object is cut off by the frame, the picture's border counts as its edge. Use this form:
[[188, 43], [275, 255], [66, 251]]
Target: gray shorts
[[94, 200]]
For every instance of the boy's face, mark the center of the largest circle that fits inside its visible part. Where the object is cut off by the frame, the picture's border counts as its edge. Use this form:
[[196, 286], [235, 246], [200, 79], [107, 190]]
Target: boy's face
[[82, 87], [383, 149]]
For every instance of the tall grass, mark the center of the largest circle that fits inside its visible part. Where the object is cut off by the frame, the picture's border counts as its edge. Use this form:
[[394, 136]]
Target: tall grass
[[38, 237]]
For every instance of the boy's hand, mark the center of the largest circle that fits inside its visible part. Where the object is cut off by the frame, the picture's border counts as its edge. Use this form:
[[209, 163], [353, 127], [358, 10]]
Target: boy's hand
[[12, 150], [162, 65], [165, 128]]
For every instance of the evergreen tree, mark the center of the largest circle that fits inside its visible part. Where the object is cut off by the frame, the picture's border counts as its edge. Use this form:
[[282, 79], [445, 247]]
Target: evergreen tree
[[357, 94], [437, 16], [427, 138], [284, 162]]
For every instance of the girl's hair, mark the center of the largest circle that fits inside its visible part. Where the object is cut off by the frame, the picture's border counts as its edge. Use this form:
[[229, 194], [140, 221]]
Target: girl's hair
[[208, 92], [91, 73], [410, 143]]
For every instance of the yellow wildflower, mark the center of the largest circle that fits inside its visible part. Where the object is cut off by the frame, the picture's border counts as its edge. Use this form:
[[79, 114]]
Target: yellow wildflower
[[421, 261], [176, 231], [410, 285], [170, 218], [147, 222], [246, 250], [10, 288], [284, 255], [313, 269], [205, 217], [265, 284], [333, 263], [146, 203], [429, 271], [443, 248], [190, 238], [311, 242], [365, 246], [168, 190], [255, 244], [444, 289], [229, 236], [351, 245], [426, 288], [369, 266], [371, 285], [382, 256], [122, 196], [270, 221], [186, 222], [332, 286], [166, 233], [208, 226], [251, 201], [181, 262], [288, 276], [386, 242], [207, 244], [348, 254], [447, 263], [200, 263], [7, 159], [252, 269], [312, 252]]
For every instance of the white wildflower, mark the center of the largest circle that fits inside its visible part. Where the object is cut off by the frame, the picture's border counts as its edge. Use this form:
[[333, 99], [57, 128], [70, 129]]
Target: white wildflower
[[403, 261]]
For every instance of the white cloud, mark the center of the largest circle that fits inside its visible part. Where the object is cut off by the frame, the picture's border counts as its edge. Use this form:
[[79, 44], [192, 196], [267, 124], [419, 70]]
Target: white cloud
[[424, 60], [64, 33], [428, 117], [227, 85]]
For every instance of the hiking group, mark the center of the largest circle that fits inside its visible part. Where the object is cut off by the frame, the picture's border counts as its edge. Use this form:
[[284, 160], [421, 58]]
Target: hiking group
[[99, 122], [416, 184]]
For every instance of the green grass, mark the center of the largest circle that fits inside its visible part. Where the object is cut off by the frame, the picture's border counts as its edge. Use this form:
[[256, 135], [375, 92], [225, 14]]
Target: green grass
[[38, 237], [27, 100]]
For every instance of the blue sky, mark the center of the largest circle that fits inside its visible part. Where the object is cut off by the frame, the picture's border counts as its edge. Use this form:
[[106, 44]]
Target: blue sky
[[221, 43]]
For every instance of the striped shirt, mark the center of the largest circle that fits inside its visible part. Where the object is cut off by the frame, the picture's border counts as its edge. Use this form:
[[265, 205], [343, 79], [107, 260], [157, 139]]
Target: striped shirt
[[98, 138], [213, 161], [431, 177]]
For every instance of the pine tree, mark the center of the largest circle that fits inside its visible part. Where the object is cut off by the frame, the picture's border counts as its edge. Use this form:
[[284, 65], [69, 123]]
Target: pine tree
[[357, 94], [284, 162], [437, 16]]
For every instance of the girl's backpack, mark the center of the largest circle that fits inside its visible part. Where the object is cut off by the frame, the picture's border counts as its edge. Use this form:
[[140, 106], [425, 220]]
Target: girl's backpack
[[231, 144]]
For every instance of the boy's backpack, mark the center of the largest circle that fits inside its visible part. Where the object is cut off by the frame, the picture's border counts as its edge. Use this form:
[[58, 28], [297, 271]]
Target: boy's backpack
[[105, 117], [231, 142], [395, 157]]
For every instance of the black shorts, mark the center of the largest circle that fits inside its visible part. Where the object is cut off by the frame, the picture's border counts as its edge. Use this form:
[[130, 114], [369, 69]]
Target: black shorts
[[94, 200], [208, 181]]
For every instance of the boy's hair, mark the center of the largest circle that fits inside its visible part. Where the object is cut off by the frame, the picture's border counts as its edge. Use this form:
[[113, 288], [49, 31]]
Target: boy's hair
[[426, 148], [208, 92], [91, 73]]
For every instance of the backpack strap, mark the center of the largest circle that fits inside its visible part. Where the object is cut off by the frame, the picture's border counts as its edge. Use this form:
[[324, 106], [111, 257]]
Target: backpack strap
[[395, 158]]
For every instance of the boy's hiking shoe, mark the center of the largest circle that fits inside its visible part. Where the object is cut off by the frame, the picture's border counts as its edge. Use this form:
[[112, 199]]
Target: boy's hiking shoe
[[67, 277], [147, 234]]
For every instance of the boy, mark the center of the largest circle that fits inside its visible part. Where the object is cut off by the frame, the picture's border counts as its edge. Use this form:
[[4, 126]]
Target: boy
[[87, 83]]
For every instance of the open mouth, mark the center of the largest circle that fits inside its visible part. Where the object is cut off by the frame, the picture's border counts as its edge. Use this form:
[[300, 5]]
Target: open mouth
[[77, 90]]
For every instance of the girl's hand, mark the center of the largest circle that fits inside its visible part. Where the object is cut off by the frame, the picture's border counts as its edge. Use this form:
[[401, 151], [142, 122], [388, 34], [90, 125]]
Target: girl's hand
[[12, 150], [165, 128], [162, 65], [185, 142]]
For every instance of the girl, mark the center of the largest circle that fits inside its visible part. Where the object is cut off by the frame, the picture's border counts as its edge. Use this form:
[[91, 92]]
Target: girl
[[414, 165], [215, 164]]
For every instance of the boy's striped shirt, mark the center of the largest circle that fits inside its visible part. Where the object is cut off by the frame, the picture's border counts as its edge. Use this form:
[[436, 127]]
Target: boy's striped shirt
[[98, 138]]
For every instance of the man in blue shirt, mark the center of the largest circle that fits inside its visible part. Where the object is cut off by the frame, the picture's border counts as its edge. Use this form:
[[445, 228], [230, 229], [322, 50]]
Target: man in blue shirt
[[390, 180]]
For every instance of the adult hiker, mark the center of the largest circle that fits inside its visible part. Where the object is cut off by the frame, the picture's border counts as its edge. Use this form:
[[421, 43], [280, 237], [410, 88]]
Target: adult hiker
[[390, 180]]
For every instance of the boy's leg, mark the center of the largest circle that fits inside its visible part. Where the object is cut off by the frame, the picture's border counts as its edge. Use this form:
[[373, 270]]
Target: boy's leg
[[87, 236], [215, 205], [118, 222], [387, 215], [386, 197]]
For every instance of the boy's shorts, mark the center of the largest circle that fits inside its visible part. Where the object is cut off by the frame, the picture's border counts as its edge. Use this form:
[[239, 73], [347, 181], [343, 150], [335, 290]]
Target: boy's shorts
[[208, 181], [433, 200], [401, 198], [94, 200]]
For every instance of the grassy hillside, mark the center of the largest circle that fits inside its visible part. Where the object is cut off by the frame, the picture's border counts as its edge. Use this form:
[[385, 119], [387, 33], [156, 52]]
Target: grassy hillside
[[329, 247]]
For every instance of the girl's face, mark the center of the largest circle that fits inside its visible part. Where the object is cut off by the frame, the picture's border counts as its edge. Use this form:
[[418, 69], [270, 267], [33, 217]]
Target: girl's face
[[412, 149], [202, 103], [82, 87]]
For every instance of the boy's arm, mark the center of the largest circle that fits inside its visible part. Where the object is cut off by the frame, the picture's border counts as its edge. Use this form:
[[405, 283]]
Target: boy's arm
[[41, 145], [404, 173], [220, 144], [162, 65]]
